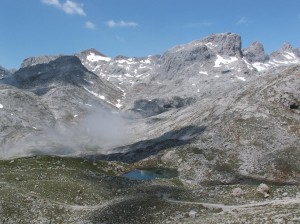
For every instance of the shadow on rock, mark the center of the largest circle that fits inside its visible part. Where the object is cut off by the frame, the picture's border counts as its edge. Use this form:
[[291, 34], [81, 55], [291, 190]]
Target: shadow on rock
[[144, 149], [243, 179], [148, 108]]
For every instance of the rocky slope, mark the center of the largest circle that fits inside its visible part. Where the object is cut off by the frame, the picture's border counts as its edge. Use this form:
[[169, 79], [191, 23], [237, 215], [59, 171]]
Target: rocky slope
[[215, 112], [5, 72]]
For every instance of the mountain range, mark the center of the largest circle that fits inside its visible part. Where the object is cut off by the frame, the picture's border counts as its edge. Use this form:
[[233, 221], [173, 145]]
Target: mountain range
[[213, 111], [246, 100]]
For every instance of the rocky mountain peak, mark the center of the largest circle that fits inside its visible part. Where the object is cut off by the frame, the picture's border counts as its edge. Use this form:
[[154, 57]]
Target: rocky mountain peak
[[286, 47], [228, 44], [68, 62], [90, 51], [38, 60], [67, 71], [121, 57], [61, 68], [285, 53], [215, 52], [255, 53]]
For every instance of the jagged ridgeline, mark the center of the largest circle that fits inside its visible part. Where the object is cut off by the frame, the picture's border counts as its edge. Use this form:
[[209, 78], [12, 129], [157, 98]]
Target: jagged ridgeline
[[214, 112]]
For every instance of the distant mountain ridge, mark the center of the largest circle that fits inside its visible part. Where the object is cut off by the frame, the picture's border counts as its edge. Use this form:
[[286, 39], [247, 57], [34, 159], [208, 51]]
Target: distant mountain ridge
[[5, 72], [216, 57], [213, 47]]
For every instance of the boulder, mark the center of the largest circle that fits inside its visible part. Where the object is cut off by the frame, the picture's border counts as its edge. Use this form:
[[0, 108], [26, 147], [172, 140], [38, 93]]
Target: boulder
[[263, 189], [237, 192]]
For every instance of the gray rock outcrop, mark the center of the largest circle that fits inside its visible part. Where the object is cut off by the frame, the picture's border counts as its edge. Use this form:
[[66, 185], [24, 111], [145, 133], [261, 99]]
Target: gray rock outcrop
[[237, 192], [38, 60], [226, 43], [255, 53], [286, 52], [65, 70], [5, 72], [209, 53]]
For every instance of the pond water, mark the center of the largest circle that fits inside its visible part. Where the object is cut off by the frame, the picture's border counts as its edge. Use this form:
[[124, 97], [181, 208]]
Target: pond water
[[153, 173]]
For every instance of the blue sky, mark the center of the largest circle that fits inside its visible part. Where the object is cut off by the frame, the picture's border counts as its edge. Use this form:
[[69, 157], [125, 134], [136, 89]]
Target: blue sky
[[138, 27]]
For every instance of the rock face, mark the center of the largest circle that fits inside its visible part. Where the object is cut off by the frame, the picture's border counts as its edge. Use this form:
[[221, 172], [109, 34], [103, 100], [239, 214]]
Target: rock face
[[255, 53], [47, 98], [38, 60], [65, 70], [211, 52], [180, 59], [148, 108], [22, 114], [297, 51], [286, 52], [285, 56], [5, 72], [124, 72], [225, 44]]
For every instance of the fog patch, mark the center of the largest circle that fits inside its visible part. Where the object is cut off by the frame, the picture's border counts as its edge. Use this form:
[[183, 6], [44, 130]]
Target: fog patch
[[96, 132]]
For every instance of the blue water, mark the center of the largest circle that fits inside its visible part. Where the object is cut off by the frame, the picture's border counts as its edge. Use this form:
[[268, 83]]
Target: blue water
[[148, 174]]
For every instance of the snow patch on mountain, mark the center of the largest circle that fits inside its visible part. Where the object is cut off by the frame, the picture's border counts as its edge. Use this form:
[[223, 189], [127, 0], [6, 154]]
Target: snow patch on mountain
[[118, 105], [203, 72], [121, 71], [241, 78], [249, 66], [261, 66], [211, 45], [224, 61], [94, 58], [95, 94], [288, 58]]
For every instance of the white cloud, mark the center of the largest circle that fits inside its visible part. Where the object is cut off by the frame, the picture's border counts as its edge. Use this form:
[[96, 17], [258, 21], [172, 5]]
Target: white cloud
[[244, 21], [73, 8], [113, 24], [90, 25], [200, 24], [51, 2], [68, 7]]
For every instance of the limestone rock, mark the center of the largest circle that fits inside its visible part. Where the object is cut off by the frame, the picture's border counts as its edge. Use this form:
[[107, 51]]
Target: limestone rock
[[192, 214], [38, 60], [255, 53], [264, 189], [237, 192]]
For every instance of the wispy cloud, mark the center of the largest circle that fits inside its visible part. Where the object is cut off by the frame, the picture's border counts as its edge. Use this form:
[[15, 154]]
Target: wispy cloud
[[51, 2], [113, 24], [90, 25], [199, 24], [244, 21], [69, 7]]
